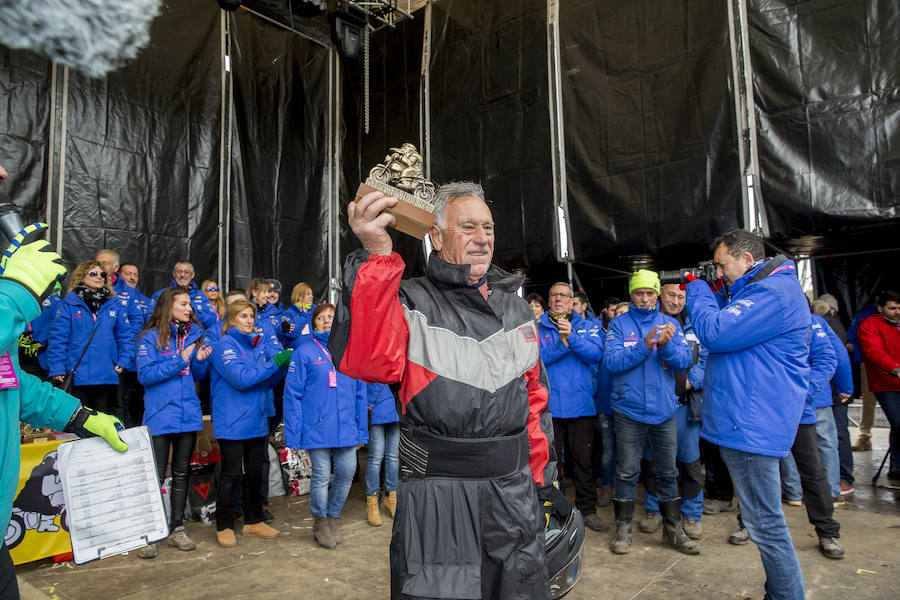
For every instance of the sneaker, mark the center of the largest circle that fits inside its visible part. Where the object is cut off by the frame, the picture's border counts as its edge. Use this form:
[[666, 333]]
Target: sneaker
[[739, 537], [651, 523], [791, 502], [692, 528], [179, 539], [846, 488], [267, 515], [714, 507], [830, 547], [149, 551], [592, 521]]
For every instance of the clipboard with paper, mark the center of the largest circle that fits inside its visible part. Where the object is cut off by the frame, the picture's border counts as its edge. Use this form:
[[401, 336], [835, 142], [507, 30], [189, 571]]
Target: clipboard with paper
[[113, 499]]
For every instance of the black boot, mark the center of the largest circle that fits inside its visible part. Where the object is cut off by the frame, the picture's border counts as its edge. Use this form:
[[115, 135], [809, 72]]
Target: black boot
[[621, 544], [673, 532]]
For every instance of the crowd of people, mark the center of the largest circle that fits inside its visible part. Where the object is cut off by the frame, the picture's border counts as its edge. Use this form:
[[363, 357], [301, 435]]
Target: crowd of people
[[248, 361]]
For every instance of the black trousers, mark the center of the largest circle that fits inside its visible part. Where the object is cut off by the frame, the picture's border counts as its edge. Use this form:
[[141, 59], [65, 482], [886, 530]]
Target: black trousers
[[718, 481], [182, 445], [132, 403], [236, 454], [9, 587], [579, 432], [816, 491], [690, 478], [103, 398]]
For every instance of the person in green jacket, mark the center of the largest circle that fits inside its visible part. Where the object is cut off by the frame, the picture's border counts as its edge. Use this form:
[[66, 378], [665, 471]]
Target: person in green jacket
[[28, 274]]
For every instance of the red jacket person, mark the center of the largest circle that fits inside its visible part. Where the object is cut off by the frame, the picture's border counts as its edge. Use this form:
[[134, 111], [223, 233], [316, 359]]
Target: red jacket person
[[476, 433]]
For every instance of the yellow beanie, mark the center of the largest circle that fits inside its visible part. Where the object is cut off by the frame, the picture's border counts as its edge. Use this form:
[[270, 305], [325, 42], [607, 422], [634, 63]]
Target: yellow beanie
[[645, 279]]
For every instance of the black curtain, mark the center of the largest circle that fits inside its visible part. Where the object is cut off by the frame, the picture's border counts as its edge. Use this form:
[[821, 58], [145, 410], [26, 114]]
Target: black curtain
[[278, 156]]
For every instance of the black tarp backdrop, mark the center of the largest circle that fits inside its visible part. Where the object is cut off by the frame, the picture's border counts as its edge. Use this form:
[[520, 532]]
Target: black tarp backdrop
[[855, 280], [279, 225], [650, 133], [394, 66], [25, 131], [827, 87]]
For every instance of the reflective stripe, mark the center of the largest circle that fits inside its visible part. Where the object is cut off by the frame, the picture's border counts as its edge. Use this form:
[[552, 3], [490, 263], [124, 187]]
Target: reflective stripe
[[488, 365]]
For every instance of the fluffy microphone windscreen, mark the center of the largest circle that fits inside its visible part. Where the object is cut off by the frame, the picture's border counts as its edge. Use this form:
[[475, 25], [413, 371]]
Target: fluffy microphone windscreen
[[92, 36]]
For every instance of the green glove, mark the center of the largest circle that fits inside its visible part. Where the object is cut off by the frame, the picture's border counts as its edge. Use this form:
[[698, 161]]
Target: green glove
[[283, 357], [87, 422], [34, 266]]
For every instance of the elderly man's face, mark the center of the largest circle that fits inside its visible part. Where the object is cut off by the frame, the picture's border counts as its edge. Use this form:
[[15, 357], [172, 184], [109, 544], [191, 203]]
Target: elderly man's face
[[672, 299], [644, 298], [560, 300], [183, 274], [107, 261], [130, 274], [468, 238]]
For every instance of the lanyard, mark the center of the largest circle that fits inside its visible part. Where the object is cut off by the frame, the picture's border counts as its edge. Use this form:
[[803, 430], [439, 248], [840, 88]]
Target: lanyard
[[322, 348]]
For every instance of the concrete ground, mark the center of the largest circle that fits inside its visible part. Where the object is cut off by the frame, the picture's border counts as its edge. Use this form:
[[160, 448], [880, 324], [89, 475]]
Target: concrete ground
[[293, 566]]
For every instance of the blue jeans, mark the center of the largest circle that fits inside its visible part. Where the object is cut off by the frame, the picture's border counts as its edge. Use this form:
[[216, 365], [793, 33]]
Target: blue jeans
[[890, 404], [321, 502], [607, 430], [757, 485], [827, 442], [630, 439], [845, 453], [791, 487], [384, 444]]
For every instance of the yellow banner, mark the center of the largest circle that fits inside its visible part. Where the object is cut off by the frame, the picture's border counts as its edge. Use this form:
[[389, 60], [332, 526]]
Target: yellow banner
[[38, 526]]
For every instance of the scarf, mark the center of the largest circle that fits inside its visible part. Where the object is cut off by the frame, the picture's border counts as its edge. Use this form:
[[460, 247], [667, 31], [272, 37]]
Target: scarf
[[93, 298]]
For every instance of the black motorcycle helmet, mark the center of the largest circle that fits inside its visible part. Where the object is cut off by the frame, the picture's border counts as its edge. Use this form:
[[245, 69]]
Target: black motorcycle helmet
[[563, 552]]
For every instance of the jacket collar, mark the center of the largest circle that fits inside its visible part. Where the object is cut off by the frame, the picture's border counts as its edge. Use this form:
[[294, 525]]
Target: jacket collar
[[250, 340], [193, 287], [643, 314], [449, 275]]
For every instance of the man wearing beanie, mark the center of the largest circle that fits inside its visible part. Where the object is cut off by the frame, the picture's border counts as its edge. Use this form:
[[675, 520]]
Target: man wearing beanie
[[644, 350], [756, 384]]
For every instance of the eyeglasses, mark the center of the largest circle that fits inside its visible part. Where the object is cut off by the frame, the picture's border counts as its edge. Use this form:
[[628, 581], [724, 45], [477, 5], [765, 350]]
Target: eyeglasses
[[560, 295], [212, 288], [96, 273]]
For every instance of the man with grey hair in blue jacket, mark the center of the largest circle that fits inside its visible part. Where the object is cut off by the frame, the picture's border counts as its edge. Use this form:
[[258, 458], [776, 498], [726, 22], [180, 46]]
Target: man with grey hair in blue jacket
[[756, 383]]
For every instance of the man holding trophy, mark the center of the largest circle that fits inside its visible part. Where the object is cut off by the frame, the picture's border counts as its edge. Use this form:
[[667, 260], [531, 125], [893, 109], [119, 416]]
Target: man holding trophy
[[476, 433]]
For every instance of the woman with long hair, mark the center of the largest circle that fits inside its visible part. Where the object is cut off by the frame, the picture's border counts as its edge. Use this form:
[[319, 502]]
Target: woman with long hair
[[210, 289], [170, 357], [299, 313], [324, 414], [91, 302], [242, 375]]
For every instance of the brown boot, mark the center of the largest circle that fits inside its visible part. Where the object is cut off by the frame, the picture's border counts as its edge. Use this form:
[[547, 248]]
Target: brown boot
[[260, 530], [322, 533], [863, 443], [333, 523], [373, 514], [390, 503], [226, 538]]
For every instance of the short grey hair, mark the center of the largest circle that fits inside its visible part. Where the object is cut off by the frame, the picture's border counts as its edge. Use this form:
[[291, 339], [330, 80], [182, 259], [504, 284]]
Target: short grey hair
[[562, 283], [113, 253], [820, 307], [830, 300], [184, 262], [450, 192]]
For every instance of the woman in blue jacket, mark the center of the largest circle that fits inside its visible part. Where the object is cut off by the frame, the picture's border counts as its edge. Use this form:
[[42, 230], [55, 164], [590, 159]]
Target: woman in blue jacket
[[325, 414], [91, 301], [242, 375], [384, 447], [299, 314], [170, 357]]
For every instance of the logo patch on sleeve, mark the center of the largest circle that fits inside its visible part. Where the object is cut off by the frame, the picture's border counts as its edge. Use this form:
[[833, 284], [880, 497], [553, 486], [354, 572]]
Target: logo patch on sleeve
[[528, 332]]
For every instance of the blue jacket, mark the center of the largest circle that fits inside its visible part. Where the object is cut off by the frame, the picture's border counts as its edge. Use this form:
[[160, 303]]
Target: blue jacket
[[241, 381], [571, 369], [604, 390], [40, 327], [317, 414], [203, 310], [33, 401], [822, 366], [112, 345], [757, 371], [852, 331], [382, 404], [171, 404], [842, 383], [643, 379], [302, 321]]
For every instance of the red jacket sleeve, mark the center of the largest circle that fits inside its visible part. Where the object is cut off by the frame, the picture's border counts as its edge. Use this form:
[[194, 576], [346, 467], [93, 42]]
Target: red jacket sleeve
[[540, 426], [370, 336], [873, 347]]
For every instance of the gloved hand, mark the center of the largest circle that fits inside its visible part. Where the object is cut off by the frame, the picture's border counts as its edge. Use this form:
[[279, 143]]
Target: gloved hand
[[87, 422], [553, 503], [287, 327], [34, 266], [283, 357]]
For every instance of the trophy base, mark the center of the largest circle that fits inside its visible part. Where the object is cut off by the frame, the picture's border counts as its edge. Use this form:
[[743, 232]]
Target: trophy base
[[411, 219]]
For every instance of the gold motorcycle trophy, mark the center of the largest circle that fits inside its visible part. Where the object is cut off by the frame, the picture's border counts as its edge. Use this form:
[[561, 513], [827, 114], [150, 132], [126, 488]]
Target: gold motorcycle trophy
[[401, 176]]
